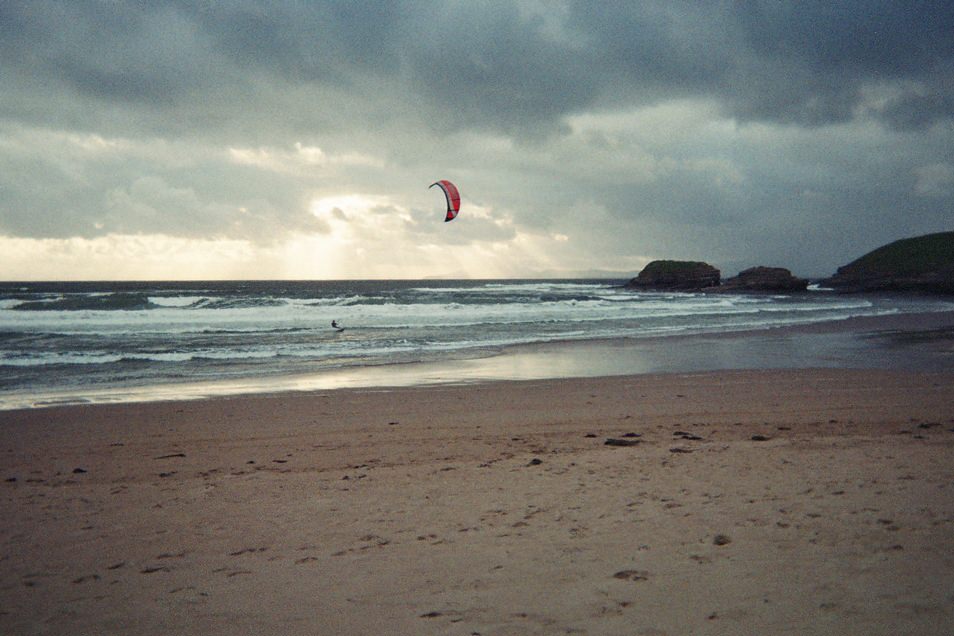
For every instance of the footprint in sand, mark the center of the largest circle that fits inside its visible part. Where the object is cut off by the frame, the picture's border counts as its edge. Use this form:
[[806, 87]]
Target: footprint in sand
[[612, 441], [88, 577], [632, 575], [170, 555], [247, 551]]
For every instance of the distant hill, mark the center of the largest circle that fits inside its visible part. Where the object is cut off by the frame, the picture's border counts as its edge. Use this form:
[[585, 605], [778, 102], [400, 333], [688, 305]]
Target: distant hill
[[924, 263]]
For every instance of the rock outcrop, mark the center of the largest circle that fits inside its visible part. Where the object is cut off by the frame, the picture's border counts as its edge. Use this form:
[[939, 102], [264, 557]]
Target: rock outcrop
[[924, 264], [676, 276], [765, 279]]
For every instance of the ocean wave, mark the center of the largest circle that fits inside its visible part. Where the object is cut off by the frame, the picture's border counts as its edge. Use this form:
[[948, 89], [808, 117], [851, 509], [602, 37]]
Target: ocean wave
[[58, 359], [254, 330], [101, 359], [497, 287], [351, 301], [236, 303], [76, 334], [175, 302], [93, 302]]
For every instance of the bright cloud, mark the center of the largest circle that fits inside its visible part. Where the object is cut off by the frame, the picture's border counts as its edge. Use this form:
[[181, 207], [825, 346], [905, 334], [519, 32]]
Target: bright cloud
[[141, 257], [298, 159]]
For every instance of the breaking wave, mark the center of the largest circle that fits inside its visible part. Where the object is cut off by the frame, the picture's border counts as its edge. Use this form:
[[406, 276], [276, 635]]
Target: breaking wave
[[93, 302]]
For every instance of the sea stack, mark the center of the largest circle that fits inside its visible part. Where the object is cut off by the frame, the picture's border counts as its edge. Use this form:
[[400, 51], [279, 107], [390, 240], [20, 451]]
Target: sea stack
[[765, 279], [676, 276]]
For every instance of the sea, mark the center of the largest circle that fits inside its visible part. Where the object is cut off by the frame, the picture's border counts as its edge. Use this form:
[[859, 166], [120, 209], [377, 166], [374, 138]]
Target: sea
[[75, 342]]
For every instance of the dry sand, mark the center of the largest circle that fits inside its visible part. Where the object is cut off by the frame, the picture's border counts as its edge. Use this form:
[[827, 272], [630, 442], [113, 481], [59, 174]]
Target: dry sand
[[768, 502]]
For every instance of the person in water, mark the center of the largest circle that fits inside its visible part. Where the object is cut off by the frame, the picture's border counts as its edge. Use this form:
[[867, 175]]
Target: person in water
[[334, 324]]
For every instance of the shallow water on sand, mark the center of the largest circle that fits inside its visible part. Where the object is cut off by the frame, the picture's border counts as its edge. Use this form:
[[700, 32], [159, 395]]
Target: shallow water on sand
[[915, 342]]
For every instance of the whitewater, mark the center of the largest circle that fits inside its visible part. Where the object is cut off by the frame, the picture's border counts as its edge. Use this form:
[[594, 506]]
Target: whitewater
[[76, 339]]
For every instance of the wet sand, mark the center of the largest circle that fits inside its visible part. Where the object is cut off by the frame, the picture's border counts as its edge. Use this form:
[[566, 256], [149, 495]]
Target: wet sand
[[801, 501]]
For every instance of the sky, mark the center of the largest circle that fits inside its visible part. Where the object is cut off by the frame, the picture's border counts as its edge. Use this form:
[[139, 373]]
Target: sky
[[184, 139]]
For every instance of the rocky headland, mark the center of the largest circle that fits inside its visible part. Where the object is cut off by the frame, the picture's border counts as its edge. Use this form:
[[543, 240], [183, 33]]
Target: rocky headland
[[923, 264], [919, 264]]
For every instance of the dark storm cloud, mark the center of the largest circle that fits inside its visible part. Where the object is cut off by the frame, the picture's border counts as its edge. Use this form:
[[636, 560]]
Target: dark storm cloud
[[831, 52], [106, 50], [319, 41], [802, 62], [487, 66], [493, 65]]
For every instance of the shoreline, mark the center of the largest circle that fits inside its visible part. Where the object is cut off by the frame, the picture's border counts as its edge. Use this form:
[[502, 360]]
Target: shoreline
[[766, 501], [858, 342]]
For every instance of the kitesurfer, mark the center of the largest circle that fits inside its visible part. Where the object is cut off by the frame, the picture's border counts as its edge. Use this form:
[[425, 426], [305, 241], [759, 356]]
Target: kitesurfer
[[334, 325]]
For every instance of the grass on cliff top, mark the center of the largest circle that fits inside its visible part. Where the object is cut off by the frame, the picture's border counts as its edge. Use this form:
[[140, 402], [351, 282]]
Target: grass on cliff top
[[908, 256], [667, 267]]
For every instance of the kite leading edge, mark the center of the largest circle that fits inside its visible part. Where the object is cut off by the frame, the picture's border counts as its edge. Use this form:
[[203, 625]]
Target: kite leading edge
[[452, 196]]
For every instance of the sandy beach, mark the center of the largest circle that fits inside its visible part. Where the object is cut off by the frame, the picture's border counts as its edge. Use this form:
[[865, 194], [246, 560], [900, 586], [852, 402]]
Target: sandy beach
[[733, 502]]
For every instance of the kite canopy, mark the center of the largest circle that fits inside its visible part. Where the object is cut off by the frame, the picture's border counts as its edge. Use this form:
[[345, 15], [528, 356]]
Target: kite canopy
[[453, 198]]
